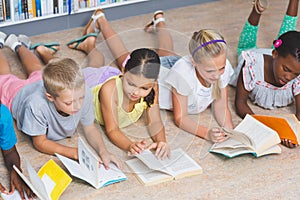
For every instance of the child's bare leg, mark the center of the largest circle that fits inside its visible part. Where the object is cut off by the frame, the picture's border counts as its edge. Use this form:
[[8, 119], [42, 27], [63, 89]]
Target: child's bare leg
[[113, 41], [95, 57], [165, 40], [4, 65], [45, 53], [254, 16], [292, 9], [30, 61]]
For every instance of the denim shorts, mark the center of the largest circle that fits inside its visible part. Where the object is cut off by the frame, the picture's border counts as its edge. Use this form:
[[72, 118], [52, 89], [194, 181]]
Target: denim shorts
[[168, 61]]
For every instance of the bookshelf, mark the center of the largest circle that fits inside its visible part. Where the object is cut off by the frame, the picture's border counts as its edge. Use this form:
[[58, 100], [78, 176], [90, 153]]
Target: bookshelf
[[79, 16]]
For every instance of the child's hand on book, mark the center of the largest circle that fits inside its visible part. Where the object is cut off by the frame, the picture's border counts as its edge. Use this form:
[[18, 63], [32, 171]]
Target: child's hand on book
[[216, 135], [162, 149], [18, 184], [288, 143], [137, 147], [107, 157], [2, 189]]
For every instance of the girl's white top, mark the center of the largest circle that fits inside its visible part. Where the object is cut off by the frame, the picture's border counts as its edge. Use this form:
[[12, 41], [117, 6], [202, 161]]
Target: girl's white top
[[182, 77], [262, 93]]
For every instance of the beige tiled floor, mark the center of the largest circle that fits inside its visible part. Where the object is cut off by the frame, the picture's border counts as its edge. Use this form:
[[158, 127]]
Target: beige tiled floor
[[244, 177]]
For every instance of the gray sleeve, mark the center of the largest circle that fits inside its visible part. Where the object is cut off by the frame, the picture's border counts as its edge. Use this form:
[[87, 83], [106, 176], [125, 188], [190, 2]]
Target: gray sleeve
[[87, 117], [33, 122]]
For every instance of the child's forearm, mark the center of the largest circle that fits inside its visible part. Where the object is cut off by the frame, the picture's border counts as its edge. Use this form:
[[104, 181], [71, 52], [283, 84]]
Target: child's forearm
[[94, 138], [159, 137], [119, 139], [189, 125], [224, 118], [44, 145], [11, 157]]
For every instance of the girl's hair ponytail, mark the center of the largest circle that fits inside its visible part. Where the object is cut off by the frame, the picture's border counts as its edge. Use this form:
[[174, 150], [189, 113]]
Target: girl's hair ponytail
[[144, 62]]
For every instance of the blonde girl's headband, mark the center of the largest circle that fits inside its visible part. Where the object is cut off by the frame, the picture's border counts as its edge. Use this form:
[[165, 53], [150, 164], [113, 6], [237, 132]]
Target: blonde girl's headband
[[205, 44]]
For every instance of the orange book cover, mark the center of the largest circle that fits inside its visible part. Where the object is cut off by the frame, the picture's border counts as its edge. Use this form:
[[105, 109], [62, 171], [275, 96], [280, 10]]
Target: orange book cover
[[287, 126]]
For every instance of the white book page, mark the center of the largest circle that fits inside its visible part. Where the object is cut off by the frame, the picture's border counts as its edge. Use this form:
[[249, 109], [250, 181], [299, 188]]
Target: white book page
[[263, 136], [231, 143], [294, 124], [74, 168], [48, 183], [37, 182], [231, 152], [33, 186], [145, 174], [14, 196], [112, 175], [88, 160], [149, 159], [273, 150], [180, 163]]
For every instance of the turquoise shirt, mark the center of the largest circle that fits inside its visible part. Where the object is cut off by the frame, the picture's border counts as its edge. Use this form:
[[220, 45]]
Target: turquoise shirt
[[7, 133]]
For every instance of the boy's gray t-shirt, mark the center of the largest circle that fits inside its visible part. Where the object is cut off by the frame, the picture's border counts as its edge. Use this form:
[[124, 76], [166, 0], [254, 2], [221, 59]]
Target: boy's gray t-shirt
[[36, 115]]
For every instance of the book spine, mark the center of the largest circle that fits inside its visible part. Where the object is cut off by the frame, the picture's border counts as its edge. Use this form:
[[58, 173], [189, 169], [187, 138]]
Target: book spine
[[50, 7], [55, 7], [60, 6], [30, 9], [65, 6], [43, 7], [21, 9], [7, 10], [34, 10], [38, 8], [1, 11], [69, 6], [25, 9], [15, 12]]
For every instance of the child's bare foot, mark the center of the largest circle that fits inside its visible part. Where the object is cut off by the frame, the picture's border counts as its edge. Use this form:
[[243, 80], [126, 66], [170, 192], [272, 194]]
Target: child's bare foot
[[260, 5], [85, 43], [92, 26], [158, 17], [44, 49]]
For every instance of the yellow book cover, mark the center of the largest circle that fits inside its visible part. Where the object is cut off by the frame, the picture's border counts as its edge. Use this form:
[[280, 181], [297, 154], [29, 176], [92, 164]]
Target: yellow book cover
[[57, 178]]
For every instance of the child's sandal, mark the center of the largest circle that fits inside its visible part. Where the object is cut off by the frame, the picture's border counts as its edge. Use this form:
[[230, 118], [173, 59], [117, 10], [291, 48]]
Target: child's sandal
[[2, 39], [93, 20], [260, 5], [151, 26]]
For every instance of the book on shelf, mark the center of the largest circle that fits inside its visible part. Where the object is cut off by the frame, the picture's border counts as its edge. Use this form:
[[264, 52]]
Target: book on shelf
[[287, 126], [2, 11], [249, 136], [149, 170], [89, 168], [48, 184]]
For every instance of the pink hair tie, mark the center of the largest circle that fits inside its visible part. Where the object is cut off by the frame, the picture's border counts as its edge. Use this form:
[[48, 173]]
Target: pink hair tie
[[277, 43], [126, 60]]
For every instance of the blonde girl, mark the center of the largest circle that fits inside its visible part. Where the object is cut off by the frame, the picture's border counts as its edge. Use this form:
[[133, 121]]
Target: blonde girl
[[197, 81]]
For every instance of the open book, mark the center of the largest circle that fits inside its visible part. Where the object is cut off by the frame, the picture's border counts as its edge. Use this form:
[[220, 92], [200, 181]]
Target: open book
[[250, 136], [287, 126], [89, 168], [149, 170], [47, 184]]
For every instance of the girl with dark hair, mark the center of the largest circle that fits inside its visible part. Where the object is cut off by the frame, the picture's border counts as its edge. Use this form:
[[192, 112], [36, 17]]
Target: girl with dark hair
[[120, 99], [270, 77]]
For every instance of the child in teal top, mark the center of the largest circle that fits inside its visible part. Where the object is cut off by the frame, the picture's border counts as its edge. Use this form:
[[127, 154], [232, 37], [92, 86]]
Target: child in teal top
[[10, 154]]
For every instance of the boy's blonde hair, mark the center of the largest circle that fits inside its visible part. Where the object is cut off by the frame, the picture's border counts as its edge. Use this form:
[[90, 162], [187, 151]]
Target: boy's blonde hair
[[60, 74], [206, 44]]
